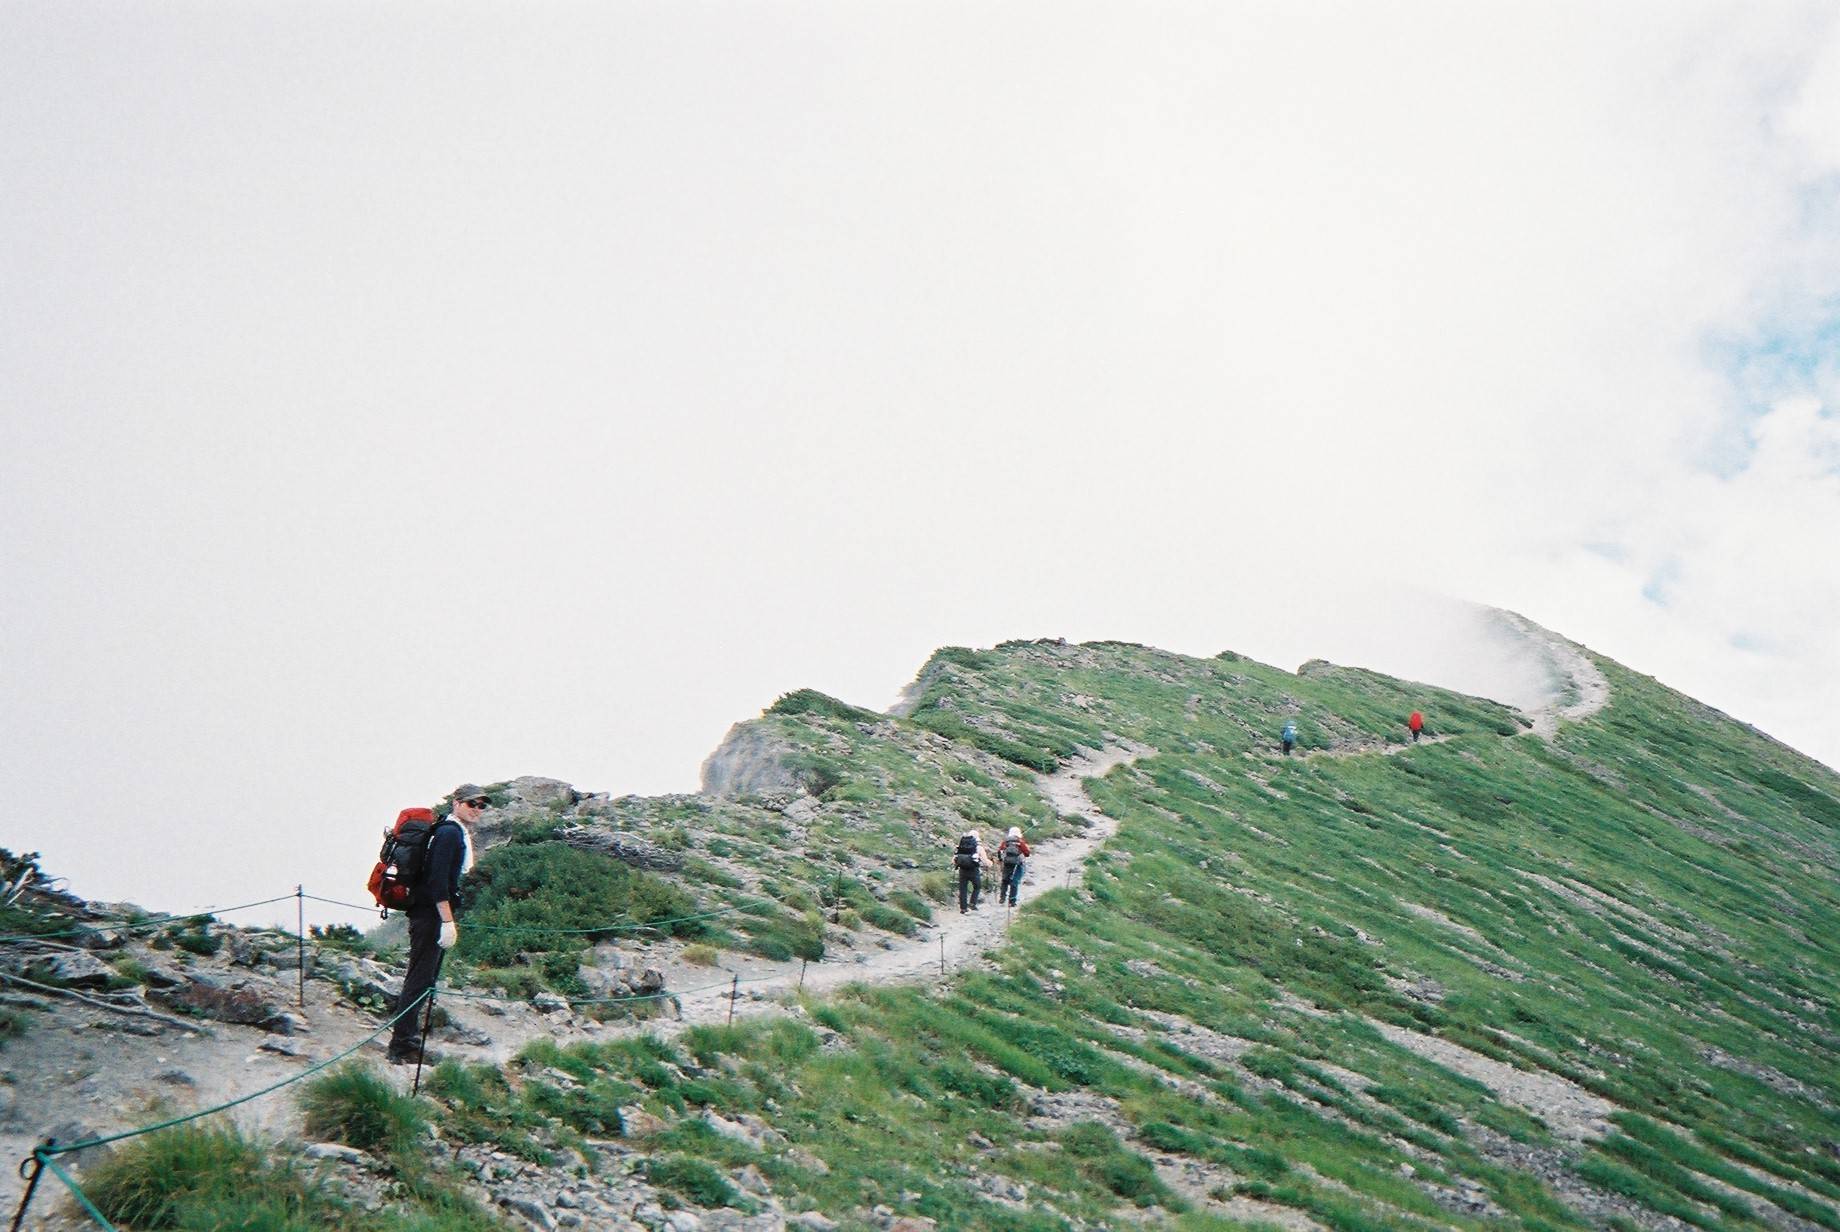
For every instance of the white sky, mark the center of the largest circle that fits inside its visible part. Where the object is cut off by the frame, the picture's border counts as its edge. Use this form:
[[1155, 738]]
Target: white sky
[[392, 395]]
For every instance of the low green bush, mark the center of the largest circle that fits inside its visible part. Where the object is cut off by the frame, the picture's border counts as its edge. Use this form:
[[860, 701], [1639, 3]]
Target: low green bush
[[810, 701], [536, 898], [351, 1104], [693, 1178], [198, 1176]]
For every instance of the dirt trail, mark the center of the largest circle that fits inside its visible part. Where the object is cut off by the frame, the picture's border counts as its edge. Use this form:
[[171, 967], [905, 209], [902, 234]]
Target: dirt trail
[[957, 938], [1367, 750], [1580, 689]]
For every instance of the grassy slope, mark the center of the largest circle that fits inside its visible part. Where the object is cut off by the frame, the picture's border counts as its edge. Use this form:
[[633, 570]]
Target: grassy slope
[[1647, 907]]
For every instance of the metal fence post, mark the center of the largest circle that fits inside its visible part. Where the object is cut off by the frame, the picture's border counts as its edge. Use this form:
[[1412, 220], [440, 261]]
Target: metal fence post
[[300, 935], [38, 1167]]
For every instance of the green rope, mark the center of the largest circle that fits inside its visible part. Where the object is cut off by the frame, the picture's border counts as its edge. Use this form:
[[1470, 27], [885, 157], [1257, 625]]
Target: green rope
[[609, 928], [647, 996], [597, 928], [193, 1116], [151, 922], [75, 1189]]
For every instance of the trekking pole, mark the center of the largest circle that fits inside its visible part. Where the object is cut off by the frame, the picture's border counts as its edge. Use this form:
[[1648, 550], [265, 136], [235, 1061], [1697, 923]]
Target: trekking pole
[[300, 935], [421, 1051], [734, 990], [803, 963], [942, 956], [37, 1163]]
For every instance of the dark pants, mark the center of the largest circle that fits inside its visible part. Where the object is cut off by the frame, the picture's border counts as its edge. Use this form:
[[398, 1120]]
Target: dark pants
[[975, 880], [425, 956], [1012, 880], [1415, 732], [1287, 748]]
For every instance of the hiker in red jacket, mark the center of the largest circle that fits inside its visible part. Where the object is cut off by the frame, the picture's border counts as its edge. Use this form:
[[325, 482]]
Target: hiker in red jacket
[[1417, 724]]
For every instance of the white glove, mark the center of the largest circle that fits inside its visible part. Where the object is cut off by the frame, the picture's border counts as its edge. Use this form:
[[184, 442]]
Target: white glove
[[450, 934]]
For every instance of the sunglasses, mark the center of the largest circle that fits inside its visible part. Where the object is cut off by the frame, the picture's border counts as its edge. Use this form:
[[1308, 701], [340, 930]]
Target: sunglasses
[[481, 802]]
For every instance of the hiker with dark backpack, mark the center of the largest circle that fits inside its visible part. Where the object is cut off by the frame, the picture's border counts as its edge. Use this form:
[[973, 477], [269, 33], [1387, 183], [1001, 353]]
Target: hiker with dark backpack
[[1288, 738], [1011, 852], [970, 876], [433, 910]]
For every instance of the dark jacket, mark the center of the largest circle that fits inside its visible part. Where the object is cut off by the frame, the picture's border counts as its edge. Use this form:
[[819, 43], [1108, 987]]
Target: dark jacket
[[441, 870]]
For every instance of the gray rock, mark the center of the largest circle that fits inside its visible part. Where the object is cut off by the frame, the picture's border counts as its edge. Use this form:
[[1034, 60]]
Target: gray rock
[[224, 1002], [335, 1151], [815, 1221], [158, 975], [752, 760], [77, 1131], [290, 1023], [80, 970], [600, 981], [682, 1221], [650, 980], [286, 959], [638, 1123], [543, 793], [529, 1210], [458, 1033], [752, 1180], [279, 1048], [806, 1160], [549, 1002]]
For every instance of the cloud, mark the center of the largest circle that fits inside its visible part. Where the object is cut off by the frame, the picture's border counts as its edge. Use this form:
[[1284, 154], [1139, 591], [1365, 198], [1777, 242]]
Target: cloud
[[551, 402]]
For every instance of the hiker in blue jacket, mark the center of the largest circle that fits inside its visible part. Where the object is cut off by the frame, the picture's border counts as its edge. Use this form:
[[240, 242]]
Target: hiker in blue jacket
[[1012, 857], [1289, 737]]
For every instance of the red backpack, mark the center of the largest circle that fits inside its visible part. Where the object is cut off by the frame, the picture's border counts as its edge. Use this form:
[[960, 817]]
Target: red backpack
[[400, 862]]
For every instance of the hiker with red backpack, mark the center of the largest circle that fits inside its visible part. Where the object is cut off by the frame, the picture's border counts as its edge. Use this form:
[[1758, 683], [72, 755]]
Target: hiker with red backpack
[[433, 909], [1011, 852], [1416, 724]]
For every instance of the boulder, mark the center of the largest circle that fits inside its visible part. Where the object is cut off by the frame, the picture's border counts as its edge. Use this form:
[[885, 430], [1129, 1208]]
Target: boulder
[[158, 975], [639, 1123], [752, 760], [542, 793], [76, 969], [529, 1210], [213, 998], [627, 848]]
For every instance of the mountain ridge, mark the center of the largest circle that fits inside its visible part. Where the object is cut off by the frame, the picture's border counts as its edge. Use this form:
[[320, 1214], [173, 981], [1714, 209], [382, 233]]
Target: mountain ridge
[[1518, 977]]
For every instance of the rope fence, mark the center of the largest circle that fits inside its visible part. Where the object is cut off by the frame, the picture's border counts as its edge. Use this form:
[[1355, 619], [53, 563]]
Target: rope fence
[[45, 1156], [159, 921]]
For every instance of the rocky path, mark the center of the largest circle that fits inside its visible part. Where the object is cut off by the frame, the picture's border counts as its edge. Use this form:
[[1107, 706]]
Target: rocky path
[[1579, 687], [953, 939]]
